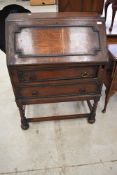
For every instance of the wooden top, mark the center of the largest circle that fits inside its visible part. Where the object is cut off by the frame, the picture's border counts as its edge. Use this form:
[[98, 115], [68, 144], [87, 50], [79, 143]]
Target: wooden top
[[113, 49], [52, 38], [49, 15]]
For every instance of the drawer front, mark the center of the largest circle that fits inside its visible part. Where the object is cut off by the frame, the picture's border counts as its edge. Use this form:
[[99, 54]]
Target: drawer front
[[58, 90], [49, 74], [42, 2]]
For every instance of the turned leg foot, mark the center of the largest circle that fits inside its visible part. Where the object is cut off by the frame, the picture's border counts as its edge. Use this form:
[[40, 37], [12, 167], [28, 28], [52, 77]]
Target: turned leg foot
[[24, 123], [110, 29], [106, 101], [91, 119], [104, 110]]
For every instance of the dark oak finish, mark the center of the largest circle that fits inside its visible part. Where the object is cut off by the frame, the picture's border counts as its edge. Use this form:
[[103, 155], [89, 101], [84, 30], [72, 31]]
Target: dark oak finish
[[81, 6], [110, 80], [56, 57]]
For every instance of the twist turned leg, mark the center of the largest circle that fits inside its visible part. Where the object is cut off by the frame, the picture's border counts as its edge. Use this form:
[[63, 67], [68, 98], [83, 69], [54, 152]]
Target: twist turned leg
[[113, 16], [106, 102], [24, 123], [108, 94], [107, 3], [91, 118]]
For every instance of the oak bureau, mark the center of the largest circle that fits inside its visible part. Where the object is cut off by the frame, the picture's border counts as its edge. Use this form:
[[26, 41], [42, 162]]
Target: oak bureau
[[56, 57]]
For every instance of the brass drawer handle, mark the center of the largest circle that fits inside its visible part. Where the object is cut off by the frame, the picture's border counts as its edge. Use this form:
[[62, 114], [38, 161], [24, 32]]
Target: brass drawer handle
[[35, 93], [85, 74]]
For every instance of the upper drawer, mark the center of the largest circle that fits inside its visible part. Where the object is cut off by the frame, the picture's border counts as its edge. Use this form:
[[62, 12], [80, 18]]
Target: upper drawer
[[53, 73]]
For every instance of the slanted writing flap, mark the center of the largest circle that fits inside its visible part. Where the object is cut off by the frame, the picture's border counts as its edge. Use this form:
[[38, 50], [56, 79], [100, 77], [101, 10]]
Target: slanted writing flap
[[56, 40]]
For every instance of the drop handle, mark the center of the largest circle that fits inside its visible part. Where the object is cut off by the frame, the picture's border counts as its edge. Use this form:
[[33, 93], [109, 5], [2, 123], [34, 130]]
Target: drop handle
[[35, 93], [84, 74]]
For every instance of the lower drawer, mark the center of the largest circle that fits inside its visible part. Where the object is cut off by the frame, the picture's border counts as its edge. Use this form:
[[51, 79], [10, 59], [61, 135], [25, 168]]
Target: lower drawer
[[68, 88]]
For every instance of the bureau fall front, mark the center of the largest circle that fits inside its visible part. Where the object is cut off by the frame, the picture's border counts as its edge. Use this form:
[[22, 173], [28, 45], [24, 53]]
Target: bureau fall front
[[56, 57]]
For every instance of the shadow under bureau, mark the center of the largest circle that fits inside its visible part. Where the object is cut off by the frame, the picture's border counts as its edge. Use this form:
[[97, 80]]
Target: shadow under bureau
[[56, 57]]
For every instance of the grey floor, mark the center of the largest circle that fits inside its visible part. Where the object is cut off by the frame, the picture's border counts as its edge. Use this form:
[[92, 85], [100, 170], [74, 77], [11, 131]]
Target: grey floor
[[71, 147]]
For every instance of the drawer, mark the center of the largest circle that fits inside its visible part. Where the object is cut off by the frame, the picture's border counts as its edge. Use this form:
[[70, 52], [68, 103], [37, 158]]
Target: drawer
[[48, 74], [68, 88], [41, 2]]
